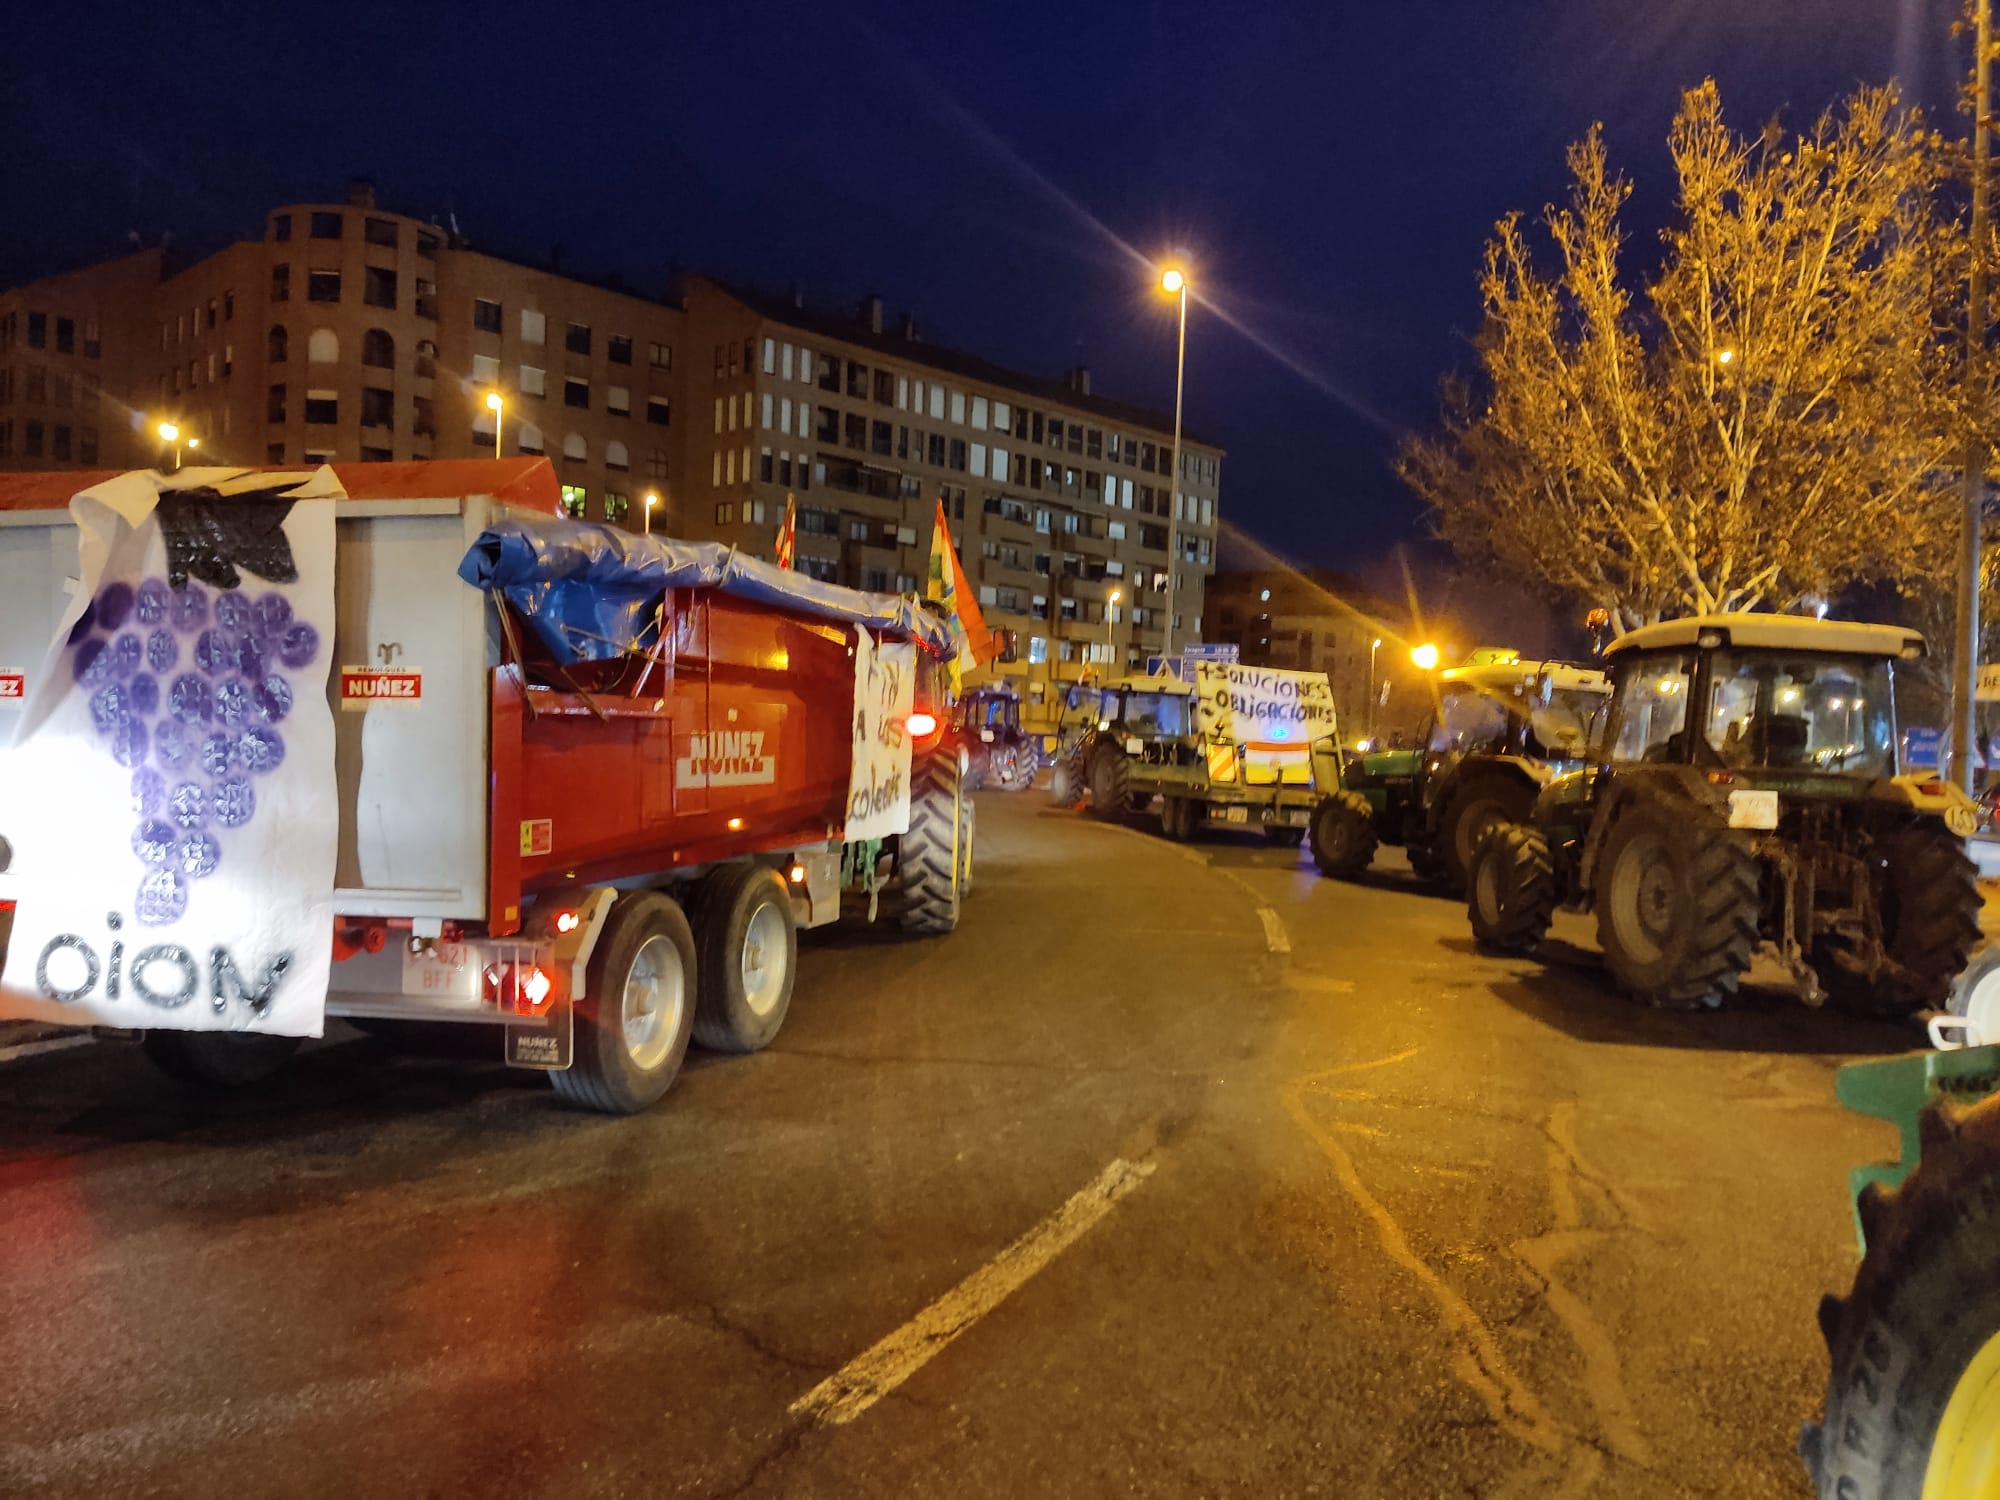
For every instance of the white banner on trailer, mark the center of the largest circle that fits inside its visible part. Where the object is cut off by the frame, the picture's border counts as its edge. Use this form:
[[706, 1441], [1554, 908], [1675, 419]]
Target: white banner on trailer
[[1263, 705], [878, 785], [169, 794]]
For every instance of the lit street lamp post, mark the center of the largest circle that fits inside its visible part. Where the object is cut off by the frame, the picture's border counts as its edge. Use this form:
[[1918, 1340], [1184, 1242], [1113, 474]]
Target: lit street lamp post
[[652, 499], [170, 433], [1965, 664], [1174, 284], [1368, 726], [495, 405], [1110, 650]]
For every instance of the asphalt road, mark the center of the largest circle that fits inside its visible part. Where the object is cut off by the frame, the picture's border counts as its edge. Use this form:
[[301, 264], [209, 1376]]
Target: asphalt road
[[1177, 1170]]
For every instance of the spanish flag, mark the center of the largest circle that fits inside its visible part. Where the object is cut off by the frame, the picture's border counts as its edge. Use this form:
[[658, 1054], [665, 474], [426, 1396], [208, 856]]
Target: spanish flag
[[948, 587], [788, 532]]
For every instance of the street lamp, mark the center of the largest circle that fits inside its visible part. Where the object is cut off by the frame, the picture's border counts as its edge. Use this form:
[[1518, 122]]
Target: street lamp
[[169, 433], [652, 499], [1110, 651], [1425, 656], [1173, 281], [495, 405], [1373, 646]]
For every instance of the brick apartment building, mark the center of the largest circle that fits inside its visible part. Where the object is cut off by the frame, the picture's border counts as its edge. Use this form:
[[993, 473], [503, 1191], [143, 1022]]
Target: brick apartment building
[[347, 331]]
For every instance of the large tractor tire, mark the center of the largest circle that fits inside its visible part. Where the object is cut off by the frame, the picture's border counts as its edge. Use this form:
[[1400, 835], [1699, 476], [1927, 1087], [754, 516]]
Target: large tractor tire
[[1927, 891], [1677, 903], [219, 1059], [1065, 786], [747, 956], [1913, 1396], [634, 1024], [928, 858], [978, 767], [1511, 892], [1471, 812], [967, 842], [1343, 835], [1022, 767], [1110, 778]]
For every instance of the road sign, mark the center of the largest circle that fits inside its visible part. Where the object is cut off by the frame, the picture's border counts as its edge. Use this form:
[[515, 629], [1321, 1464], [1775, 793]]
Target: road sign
[[1920, 748]]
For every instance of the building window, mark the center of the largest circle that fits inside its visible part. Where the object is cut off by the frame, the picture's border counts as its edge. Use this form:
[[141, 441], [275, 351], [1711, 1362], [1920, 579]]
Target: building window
[[60, 447], [281, 283], [377, 455], [423, 417], [532, 381], [659, 411], [31, 439], [322, 286], [326, 226], [656, 463], [575, 449], [322, 408], [958, 456], [323, 347], [66, 335], [618, 401], [485, 370], [427, 246], [274, 408], [281, 229], [574, 498], [378, 286], [378, 407], [38, 331], [616, 456], [829, 425], [576, 393], [829, 373], [228, 359], [378, 349], [725, 513], [534, 326], [577, 341], [618, 349], [485, 315], [767, 467], [857, 380], [885, 388], [528, 437], [662, 357], [857, 431], [380, 232], [616, 505]]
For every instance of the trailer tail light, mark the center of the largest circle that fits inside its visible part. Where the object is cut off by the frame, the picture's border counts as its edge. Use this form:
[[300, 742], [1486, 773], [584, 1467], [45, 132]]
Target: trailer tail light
[[797, 874], [519, 989], [735, 825], [568, 921], [921, 725]]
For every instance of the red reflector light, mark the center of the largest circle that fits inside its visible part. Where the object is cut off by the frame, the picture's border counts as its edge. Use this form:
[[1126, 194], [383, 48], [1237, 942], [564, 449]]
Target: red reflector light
[[921, 723], [567, 921], [1932, 788], [519, 989]]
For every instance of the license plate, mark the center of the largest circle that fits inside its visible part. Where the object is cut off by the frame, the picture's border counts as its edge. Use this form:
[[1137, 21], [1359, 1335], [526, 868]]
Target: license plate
[[446, 969], [1751, 807], [1238, 815]]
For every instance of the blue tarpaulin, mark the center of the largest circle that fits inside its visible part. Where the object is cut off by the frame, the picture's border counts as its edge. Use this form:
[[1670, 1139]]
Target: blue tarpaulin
[[589, 591]]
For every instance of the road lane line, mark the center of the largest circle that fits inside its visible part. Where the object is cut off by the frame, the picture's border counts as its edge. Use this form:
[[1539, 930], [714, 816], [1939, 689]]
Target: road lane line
[[1274, 930], [46, 1044], [866, 1379]]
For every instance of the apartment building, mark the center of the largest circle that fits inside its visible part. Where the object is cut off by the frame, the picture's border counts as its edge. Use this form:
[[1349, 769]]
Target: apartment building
[[1059, 499]]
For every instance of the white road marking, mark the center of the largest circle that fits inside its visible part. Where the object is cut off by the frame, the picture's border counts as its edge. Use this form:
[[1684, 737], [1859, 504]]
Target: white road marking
[[1274, 930], [866, 1379], [46, 1044]]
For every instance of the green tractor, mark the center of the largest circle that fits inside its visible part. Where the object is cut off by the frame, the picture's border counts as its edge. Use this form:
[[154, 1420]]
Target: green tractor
[[1502, 731], [1745, 789]]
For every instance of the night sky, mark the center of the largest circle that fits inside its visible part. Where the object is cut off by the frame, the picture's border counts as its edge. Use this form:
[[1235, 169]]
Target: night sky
[[1331, 168]]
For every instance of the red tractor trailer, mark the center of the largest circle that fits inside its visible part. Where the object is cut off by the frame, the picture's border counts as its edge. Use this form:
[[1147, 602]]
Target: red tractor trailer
[[587, 785]]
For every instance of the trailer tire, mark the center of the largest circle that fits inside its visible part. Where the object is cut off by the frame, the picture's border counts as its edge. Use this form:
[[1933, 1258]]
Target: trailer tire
[[1914, 1381], [1472, 812], [927, 856], [1343, 835], [1927, 891], [1511, 892], [1110, 784], [219, 1059], [747, 958], [1177, 818], [633, 1026], [1677, 903]]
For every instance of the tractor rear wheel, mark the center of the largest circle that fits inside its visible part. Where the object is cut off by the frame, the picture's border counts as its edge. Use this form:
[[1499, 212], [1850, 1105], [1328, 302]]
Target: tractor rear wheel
[[1927, 894], [1913, 1394], [1343, 835], [1472, 812], [929, 858], [1677, 903], [1511, 894]]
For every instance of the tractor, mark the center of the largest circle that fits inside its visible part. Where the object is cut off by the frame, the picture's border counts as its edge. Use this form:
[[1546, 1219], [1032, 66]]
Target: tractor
[[1744, 788], [998, 751], [1503, 730]]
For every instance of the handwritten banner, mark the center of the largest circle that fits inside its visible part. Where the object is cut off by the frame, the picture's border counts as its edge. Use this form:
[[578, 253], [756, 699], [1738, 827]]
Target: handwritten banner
[[1263, 705], [878, 786]]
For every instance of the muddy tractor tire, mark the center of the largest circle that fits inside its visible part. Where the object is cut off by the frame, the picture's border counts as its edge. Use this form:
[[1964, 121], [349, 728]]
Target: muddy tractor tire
[[1511, 890], [1065, 785], [1343, 835], [930, 855], [1913, 1394], [1677, 903], [1926, 889], [1472, 812], [1110, 780]]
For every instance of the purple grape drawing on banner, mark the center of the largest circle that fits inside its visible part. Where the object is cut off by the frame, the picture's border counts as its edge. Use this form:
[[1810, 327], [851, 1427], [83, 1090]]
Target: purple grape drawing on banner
[[188, 678]]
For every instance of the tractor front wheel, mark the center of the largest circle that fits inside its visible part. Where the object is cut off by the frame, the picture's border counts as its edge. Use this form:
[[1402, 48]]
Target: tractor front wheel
[[1511, 894], [1343, 835], [1474, 811]]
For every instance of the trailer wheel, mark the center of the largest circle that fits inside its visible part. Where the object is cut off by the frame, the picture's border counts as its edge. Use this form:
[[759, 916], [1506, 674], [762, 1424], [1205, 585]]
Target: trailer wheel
[[632, 1028], [927, 856], [1511, 893], [1343, 835], [1677, 903], [1913, 1394], [748, 954], [219, 1059], [1927, 891], [1177, 817]]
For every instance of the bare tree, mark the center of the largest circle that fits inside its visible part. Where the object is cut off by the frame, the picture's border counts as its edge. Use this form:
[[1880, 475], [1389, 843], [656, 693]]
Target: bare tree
[[1772, 416]]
